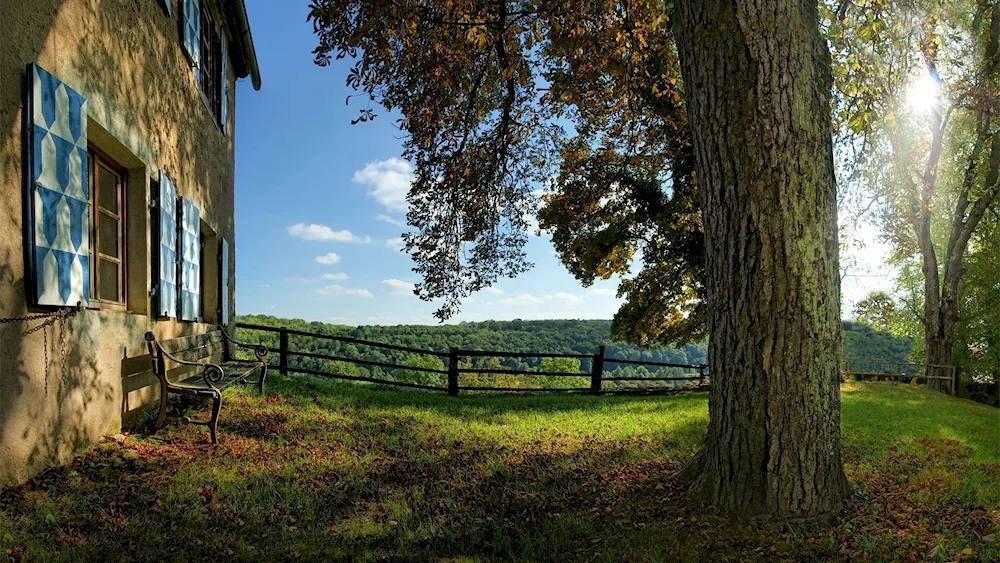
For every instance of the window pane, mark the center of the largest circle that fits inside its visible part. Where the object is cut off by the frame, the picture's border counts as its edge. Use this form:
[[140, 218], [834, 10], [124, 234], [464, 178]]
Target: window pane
[[107, 234], [108, 277], [107, 190]]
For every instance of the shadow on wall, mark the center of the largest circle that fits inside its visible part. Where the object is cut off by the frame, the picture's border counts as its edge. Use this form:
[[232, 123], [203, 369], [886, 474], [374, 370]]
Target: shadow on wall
[[125, 56], [65, 408], [30, 23], [156, 97]]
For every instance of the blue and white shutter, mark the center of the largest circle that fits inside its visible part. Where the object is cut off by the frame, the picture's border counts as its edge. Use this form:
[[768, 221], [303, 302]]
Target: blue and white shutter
[[166, 290], [190, 240], [59, 233], [224, 288], [224, 81], [191, 31]]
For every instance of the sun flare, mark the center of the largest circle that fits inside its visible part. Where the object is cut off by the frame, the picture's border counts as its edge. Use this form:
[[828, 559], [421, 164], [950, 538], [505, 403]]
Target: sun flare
[[923, 93]]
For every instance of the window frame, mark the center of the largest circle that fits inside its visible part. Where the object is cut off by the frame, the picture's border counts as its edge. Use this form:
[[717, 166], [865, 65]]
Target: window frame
[[210, 46], [97, 159]]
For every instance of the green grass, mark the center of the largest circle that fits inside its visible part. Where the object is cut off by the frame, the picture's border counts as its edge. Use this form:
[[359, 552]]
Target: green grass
[[323, 471]]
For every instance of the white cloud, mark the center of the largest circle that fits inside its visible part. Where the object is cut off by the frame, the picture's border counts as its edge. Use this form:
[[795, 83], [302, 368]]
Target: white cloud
[[604, 291], [341, 290], [493, 290], [300, 280], [341, 320], [563, 297], [397, 287], [324, 233], [328, 258], [264, 285], [522, 299], [388, 181], [340, 276], [385, 319], [395, 244], [391, 220]]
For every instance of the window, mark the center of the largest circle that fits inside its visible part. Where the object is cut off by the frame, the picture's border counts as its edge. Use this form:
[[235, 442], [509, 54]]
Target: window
[[107, 230], [211, 57]]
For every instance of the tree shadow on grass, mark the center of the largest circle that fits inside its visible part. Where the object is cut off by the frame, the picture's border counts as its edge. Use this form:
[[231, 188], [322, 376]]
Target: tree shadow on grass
[[349, 478], [401, 495]]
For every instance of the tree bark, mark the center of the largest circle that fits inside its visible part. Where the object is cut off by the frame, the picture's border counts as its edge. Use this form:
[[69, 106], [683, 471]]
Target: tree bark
[[758, 82]]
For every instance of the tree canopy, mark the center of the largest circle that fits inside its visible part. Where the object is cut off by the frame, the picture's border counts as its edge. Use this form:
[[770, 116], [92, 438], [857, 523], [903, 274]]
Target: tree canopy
[[497, 98]]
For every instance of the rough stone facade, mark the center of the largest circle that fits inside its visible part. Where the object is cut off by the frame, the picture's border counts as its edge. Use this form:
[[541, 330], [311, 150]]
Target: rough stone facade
[[147, 112]]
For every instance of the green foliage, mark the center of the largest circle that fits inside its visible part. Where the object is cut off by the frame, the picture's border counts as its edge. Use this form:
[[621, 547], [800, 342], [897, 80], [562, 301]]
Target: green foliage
[[327, 471], [862, 342], [978, 355], [878, 309], [497, 98], [562, 365], [927, 176], [553, 336], [423, 377]]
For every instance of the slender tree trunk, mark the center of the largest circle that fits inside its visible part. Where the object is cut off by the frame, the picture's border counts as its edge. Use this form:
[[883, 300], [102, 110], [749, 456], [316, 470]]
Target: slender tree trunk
[[758, 81], [940, 316]]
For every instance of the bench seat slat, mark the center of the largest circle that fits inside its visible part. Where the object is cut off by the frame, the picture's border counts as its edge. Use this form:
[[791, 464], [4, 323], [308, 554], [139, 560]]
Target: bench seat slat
[[181, 365], [233, 373]]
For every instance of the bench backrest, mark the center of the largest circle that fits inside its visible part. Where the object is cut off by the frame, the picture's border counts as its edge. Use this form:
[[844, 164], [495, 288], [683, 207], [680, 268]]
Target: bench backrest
[[211, 346]]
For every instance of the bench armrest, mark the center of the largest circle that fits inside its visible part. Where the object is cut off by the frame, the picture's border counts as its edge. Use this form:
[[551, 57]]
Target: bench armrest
[[211, 372], [259, 350]]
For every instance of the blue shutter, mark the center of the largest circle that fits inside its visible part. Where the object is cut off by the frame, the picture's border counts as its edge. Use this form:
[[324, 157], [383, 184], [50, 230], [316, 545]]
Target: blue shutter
[[224, 288], [166, 292], [191, 32], [224, 80], [190, 261], [59, 227]]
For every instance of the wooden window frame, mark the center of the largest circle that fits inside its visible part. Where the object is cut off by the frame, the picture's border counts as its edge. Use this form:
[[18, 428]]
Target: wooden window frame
[[208, 76], [98, 158]]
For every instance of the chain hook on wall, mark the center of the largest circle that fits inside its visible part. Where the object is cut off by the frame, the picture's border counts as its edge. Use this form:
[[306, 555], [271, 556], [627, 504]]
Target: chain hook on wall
[[60, 315]]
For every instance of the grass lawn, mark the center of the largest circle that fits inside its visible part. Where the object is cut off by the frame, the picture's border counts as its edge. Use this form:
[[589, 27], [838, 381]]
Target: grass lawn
[[320, 470]]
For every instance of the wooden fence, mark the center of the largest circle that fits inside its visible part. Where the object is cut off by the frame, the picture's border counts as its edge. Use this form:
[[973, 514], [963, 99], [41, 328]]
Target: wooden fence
[[454, 357], [904, 372]]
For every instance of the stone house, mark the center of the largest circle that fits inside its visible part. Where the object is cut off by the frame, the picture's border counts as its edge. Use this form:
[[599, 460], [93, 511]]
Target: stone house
[[117, 197]]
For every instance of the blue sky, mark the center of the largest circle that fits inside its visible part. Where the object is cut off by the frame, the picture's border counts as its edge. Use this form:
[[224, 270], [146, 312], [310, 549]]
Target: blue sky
[[320, 208], [320, 205]]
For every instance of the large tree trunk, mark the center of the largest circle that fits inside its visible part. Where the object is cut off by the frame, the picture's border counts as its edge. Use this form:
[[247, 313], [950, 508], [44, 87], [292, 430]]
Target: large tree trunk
[[758, 82]]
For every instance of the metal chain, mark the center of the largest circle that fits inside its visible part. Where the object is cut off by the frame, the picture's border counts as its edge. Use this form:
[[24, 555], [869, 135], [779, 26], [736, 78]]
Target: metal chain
[[59, 316]]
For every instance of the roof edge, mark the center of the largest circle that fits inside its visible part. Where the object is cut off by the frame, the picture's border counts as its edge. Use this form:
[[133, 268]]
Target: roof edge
[[246, 42]]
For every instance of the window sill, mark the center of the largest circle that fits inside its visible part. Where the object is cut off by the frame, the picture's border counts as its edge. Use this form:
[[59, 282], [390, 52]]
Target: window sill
[[108, 307]]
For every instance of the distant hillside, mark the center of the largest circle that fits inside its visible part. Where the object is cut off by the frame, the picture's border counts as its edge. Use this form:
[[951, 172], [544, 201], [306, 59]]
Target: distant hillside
[[569, 336]]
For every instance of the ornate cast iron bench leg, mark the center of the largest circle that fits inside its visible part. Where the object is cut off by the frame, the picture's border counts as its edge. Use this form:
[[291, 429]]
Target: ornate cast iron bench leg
[[263, 376], [161, 418], [214, 422]]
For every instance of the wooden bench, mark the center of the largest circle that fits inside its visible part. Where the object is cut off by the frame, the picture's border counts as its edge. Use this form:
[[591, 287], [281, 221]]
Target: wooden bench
[[203, 366]]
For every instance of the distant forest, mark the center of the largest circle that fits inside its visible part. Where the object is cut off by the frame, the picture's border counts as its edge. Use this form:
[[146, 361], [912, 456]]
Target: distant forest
[[552, 336]]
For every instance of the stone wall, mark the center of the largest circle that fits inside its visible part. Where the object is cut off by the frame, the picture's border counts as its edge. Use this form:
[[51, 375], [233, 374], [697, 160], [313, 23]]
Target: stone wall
[[146, 111]]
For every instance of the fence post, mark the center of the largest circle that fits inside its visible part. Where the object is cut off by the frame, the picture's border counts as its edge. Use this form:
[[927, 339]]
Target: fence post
[[954, 381], [283, 351], [597, 372], [701, 375], [453, 372]]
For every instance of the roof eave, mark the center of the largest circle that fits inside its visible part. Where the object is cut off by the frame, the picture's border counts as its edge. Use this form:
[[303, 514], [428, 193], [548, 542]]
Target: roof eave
[[245, 39]]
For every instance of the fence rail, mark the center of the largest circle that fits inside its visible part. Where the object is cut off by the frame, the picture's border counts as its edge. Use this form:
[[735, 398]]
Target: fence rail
[[454, 368], [899, 371]]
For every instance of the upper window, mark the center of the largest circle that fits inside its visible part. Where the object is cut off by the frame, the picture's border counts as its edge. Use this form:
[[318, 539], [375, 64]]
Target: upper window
[[107, 230], [211, 57]]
